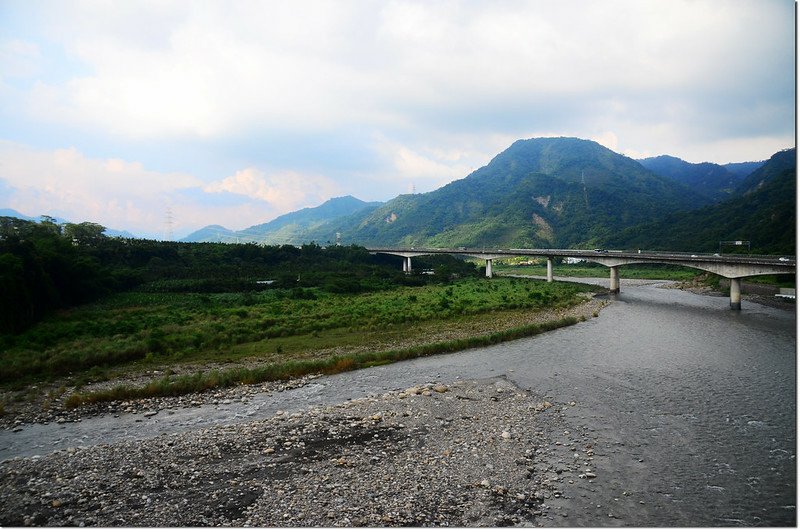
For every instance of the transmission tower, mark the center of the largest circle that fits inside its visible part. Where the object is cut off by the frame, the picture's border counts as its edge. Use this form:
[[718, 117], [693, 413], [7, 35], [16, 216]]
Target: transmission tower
[[168, 220]]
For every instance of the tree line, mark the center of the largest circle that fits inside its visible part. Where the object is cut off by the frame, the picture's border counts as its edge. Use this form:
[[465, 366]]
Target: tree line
[[46, 266]]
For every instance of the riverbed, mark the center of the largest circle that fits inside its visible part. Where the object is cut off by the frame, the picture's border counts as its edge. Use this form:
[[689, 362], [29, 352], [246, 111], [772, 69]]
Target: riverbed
[[690, 408]]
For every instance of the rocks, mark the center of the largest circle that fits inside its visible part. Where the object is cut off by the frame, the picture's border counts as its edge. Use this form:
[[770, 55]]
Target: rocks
[[461, 455]]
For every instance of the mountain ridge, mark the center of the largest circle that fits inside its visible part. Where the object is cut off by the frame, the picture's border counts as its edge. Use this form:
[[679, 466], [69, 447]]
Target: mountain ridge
[[714, 181], [288, 228], [762, 211], [537, 192]]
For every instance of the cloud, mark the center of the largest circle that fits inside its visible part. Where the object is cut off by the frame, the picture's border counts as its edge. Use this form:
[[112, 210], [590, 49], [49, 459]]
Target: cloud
[[67, 183], [284, 191], [262, 107], [424, 168], [19, 59], [123, 194], [220, 68]]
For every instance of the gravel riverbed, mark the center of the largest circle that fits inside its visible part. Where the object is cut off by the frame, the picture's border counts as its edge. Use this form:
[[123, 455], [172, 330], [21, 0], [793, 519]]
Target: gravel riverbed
[[464, 453]]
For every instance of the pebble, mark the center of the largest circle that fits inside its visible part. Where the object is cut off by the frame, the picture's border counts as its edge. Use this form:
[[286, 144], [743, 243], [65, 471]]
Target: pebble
[[378, 461]]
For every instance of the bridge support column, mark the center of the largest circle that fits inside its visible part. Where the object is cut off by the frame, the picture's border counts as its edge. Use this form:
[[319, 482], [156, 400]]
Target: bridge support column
[[488, 268], [549, 269], [614, 283], [407, 265], [736, 293]]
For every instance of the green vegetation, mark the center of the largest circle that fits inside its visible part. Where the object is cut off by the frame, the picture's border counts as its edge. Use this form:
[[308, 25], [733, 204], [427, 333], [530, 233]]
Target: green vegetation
[[762, 210], [162, 329], [45, 267], [112, 304], [177, 385]]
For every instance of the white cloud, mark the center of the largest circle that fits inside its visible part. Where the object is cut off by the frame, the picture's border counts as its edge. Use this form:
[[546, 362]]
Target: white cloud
[[125, 195], [165, 69], [19, 59], [424, 168], [112, 192], [376, 96], [284, 191]]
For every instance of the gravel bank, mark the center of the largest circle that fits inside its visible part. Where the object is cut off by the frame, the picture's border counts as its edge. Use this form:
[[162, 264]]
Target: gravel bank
[[471, 453]]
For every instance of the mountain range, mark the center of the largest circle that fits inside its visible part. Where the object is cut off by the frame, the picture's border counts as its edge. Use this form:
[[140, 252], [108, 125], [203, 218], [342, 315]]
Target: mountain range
[[714, 181], [290, 228], [559, 193], [562, 193], [762, 210]]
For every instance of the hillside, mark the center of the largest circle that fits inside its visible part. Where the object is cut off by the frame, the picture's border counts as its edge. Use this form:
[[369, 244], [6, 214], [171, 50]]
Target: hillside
[[763, 211], [742, 169], [291, 228], [559, 192], [713, 181]]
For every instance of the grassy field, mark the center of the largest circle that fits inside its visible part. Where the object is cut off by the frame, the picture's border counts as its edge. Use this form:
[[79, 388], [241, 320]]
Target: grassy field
[[280, 327]]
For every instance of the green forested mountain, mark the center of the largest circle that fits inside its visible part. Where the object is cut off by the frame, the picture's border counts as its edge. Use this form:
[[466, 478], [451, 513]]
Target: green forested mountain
[[713, 181], [762, 211], [290, 228], [542, 192]]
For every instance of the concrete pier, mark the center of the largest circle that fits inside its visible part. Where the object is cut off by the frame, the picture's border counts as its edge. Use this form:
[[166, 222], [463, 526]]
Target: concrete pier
[[614, 283], [736, 293], [407, 264], [488, 268], [549, 269]]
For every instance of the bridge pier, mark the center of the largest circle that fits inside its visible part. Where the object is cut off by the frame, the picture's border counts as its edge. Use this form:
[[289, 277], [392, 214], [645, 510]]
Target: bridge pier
[[488, 268], [549, 269], [736, 293], [407, 264], [614, 281]]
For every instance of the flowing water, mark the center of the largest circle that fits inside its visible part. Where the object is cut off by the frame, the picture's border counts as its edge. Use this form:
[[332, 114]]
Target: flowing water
[[692, 406]]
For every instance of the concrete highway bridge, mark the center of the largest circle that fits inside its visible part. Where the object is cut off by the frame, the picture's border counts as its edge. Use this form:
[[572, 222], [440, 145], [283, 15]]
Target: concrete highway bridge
[[732, 266]]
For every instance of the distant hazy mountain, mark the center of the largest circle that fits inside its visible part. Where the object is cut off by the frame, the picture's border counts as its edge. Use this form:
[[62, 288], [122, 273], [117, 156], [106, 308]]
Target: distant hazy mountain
[[291, 228], [742, 169], [710, 180], [9, 212], [542, 192], [762, 211], [212, 233]]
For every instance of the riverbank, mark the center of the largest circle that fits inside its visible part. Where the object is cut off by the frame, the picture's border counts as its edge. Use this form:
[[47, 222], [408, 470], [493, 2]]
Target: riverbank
[[466, 453], [611, 449], [45, 403], [758, 293]]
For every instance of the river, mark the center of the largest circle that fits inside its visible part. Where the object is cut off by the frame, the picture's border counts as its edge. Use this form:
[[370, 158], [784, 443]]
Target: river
[[692, 406]]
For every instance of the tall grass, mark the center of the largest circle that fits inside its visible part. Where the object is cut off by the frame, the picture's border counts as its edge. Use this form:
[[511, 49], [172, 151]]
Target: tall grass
[[199, 382], [157, 328]]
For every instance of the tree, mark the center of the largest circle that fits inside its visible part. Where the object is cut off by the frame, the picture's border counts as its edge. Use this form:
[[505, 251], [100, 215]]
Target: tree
[[85, 234]]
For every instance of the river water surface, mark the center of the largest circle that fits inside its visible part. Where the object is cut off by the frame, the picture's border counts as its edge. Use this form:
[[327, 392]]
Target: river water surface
[[693, 407]]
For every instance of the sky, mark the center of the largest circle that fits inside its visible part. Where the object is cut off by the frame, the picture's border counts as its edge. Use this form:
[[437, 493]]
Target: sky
[[160, 117]]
